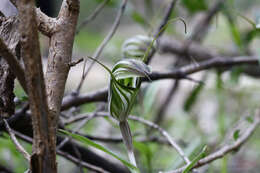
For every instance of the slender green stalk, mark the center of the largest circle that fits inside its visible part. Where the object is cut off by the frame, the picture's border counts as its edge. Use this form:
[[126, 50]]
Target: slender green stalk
[[127, 138]]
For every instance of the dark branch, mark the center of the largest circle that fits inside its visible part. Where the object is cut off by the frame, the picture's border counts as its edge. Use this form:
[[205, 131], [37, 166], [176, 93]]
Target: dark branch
[[182, 72], [22, 123]]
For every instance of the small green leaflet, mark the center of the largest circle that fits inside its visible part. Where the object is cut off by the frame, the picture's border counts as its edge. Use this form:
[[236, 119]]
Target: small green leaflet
[[137, 17], [250, 119], [201, 155], [236, 134], [88, 142]]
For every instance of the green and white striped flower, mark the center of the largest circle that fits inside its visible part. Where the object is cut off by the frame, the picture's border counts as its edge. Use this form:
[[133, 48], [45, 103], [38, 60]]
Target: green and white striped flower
[[124, 86], [125, 82]]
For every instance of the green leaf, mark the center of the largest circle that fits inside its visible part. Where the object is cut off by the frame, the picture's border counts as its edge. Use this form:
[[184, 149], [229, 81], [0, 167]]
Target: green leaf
[[23, 98], [88, 142], [137, 17], [201, 155], [192, 98], [146, 152], [236, 134], [20, 94], [236, 35], [235, 74], [250, 119], [250, 35], [111, 3], [195, 5]]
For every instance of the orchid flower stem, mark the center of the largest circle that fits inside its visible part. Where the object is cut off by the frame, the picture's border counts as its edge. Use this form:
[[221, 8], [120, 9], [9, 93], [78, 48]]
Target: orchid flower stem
[[127, 138]]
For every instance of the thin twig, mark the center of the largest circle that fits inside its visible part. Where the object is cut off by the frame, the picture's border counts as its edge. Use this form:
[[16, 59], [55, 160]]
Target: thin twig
[[72, 64], [104, 42], [163, 133], [159, 31], [179, 73], [81, 124], [145, 122], [185, 51], [117, 140], [227, 148], [202, 26], [18, 146], [78, 118], [218, 62], [165, 19], [77, 161], [65, 155], [92, 16]]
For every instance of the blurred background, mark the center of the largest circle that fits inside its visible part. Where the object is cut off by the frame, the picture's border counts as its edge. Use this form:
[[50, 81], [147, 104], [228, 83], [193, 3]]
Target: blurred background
[[195, 114]]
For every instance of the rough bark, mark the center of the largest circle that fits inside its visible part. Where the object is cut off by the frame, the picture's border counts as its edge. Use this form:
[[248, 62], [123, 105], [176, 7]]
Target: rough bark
[[21, 122], [60, 52], [9, 36], [61, 44], [43, 158]]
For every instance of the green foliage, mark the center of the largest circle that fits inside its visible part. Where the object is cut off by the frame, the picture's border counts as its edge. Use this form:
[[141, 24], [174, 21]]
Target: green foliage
[[250, 35], [88, 40], [193, 96], [137, 17], [111, 3], [20, 94], [250, 119], [88, 142], [235, 74], [201, 155], [147, 154], [236, 134], [10, 157], [195, 5], [88, 108], [221, 105]]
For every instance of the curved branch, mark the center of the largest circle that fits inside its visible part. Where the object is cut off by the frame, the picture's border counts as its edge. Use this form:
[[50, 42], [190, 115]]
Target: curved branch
[[76, 100], [218, 62], [180, 73], [46, 25], [227, 148], [164, 133], [18, 146], [22, 123]]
